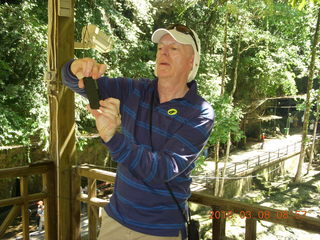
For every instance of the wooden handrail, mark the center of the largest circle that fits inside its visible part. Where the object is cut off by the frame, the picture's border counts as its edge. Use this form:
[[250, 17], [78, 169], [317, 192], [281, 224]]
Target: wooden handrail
[[47, 170], [257, 212], [250, 212], [34, 168]]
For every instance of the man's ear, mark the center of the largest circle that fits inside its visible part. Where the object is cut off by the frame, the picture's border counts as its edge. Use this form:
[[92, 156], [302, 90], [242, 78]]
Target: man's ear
[[191, 62]]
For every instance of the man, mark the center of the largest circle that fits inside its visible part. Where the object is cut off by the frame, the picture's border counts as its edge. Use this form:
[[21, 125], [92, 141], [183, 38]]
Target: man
[[164, 126], [40, 214]]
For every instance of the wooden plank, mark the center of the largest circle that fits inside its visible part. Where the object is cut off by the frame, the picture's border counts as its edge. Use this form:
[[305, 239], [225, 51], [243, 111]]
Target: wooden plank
[[251, 229], [25, 207], [277, 216], [8, 220], [61, 103]]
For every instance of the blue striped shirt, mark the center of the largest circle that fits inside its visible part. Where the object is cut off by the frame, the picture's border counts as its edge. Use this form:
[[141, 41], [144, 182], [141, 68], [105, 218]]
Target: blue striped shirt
[[179, 130]]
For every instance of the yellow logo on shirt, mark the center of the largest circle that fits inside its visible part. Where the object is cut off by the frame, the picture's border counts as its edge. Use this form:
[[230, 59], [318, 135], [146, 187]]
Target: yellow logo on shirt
[[172, 111]]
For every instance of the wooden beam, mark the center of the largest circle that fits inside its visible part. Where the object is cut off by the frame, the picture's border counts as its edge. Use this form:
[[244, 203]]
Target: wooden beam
[[8, 220], [61, 102], [32, 169], [20, 200], [286, 218], [98, 174]]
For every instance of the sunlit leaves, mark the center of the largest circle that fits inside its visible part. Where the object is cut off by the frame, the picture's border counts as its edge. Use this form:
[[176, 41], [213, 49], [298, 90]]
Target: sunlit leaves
[[22, 62]]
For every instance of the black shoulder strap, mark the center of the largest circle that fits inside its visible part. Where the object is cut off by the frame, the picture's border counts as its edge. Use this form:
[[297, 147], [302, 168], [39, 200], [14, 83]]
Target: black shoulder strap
[[176, 201]]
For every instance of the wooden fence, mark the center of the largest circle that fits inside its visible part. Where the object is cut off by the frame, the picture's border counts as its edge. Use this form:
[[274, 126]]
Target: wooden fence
[[222, 209], [20, 204]]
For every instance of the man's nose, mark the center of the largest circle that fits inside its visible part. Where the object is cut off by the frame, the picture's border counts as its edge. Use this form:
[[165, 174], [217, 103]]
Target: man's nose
[[164, 51]]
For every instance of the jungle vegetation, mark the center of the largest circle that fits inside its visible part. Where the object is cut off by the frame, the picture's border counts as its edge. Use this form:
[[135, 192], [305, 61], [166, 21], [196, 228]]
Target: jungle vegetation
[[251, 51]]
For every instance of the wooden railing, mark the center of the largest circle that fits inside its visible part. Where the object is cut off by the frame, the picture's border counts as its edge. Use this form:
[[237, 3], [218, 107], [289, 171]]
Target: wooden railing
[[48, 195], [222, 209]]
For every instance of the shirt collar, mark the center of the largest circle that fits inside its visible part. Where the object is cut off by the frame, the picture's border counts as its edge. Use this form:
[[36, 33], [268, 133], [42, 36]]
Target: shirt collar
[[189, 95]]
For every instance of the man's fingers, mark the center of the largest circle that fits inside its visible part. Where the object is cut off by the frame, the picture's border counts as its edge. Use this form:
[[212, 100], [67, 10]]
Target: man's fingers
[[81, 83], [108, 112], [94, 112], [102, 69], [87, 67], [112, 104]]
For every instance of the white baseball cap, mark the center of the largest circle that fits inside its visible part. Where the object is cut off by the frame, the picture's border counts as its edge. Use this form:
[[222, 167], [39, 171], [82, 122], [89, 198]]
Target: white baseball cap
[[184, 35]]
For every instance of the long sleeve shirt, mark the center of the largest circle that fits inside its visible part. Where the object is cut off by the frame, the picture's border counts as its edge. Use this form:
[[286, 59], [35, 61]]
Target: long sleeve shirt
[[159, 142]]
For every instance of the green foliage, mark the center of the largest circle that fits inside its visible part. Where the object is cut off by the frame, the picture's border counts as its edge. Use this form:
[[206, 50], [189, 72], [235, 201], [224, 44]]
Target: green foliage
[[274, 38], [23, 103], [129, 23], [227, 119]]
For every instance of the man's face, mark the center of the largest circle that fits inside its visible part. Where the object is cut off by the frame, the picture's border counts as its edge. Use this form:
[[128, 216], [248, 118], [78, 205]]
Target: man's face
[[174, 60]]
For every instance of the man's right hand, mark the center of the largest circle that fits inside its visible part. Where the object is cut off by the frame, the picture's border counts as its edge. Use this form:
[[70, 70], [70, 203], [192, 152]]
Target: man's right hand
[[87, 67]]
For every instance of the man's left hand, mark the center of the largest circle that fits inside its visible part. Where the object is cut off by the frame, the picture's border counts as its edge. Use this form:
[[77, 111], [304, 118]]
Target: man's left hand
[[108, 118]]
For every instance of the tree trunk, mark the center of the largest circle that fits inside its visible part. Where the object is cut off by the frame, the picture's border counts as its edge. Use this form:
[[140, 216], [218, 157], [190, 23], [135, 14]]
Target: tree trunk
[[298, 175], [235, 77], [221, 191], [223, 77], [225, 50], [314, 134], [216, 174]]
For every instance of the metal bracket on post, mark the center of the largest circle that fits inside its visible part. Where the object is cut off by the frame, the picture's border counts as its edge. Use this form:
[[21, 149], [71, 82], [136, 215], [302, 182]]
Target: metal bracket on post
[[65, 8], [52, 83]]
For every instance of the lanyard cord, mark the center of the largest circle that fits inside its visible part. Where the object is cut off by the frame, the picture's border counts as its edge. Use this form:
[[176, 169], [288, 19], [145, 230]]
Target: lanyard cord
[[166, 182], [150, 118], [177, 203]]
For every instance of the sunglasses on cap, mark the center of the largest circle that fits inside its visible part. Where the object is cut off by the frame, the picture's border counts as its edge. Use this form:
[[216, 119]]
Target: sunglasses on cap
[[184, 29]]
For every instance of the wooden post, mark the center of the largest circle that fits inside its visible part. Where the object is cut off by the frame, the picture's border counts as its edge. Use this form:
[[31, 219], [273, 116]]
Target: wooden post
[[61, 102], [218, 225], [92, 210], [50, 213], [25, 207], [251, 229], [76, 234]]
